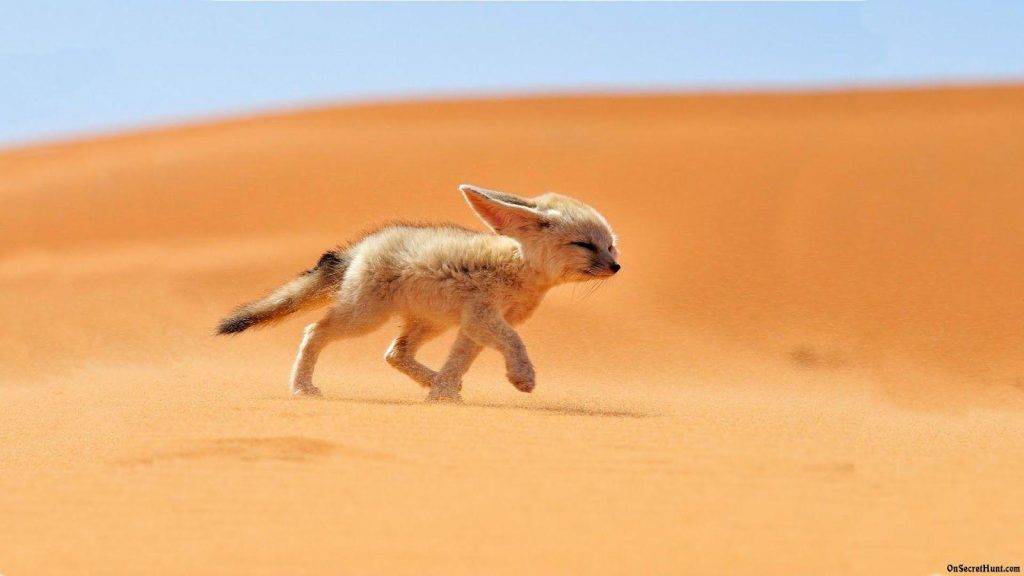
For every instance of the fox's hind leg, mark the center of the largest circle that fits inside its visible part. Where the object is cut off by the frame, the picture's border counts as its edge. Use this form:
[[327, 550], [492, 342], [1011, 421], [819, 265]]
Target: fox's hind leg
[[402, 352], [349, 317]]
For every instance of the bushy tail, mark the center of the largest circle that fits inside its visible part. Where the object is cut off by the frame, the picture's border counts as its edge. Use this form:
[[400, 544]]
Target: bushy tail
[[314, 287]]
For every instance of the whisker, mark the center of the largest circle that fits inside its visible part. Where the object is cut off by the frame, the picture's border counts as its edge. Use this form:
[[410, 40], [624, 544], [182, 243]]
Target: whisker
[[592, 288]]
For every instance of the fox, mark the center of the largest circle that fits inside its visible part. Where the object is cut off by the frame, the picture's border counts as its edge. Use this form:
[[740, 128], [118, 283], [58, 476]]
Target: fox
[[436, 277]]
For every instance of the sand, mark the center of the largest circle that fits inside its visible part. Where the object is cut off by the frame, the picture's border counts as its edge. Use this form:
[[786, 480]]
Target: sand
[[811, 363]]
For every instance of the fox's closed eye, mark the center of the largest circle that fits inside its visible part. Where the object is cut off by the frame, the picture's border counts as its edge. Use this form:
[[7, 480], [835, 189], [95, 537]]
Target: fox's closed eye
[[585, 245]]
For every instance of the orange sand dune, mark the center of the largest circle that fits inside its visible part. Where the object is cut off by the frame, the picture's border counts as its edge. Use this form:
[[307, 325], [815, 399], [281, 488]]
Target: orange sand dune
[[811, 363]]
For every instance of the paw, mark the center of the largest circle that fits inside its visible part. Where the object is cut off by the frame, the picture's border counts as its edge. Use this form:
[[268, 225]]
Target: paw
[[524, 380], [444, 394], [309, 391]]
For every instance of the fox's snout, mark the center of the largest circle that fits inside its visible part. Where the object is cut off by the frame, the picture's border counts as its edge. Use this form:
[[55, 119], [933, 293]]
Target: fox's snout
[[605, 264], [609, 269]]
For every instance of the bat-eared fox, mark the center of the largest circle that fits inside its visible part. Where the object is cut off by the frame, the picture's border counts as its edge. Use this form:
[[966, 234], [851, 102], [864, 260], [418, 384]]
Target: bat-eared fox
[[437, 276]]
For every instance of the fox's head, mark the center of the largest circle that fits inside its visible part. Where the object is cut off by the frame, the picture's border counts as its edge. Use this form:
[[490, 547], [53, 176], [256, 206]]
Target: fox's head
[[561, 237]]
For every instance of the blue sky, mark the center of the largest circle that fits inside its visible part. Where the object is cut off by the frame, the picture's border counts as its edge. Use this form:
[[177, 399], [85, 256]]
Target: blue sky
[[81, 67]]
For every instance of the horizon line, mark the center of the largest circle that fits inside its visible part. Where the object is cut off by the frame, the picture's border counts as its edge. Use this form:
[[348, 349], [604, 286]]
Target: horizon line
[[280, 110]]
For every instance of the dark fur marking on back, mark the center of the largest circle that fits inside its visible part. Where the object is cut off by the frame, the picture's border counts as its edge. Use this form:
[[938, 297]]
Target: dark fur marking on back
[[331, 263], [330, 260]]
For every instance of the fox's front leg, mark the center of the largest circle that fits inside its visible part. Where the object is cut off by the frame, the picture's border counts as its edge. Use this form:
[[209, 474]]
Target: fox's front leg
[[487, 327], [448, 382]]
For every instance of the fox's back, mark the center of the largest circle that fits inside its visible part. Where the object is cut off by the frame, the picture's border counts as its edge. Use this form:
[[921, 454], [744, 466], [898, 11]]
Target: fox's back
[[434, 267]]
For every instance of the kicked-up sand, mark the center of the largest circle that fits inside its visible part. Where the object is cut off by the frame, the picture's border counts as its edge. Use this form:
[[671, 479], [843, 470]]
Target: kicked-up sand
[[812, 361]]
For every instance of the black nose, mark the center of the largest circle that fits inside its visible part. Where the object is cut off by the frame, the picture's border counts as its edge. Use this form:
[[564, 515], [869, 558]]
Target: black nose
[[615, 267]]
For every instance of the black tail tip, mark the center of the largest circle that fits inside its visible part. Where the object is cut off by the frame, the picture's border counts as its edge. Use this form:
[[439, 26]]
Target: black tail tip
[[235, 324]]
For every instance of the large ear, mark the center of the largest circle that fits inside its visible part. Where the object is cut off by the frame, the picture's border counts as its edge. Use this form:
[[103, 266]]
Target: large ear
[[501, 211]]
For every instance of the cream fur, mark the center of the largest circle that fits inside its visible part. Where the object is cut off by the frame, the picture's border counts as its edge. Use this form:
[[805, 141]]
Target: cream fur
[[437, 277]]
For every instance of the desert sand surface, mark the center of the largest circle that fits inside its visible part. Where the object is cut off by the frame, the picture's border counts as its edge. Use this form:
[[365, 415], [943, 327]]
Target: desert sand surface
[[812, 361]]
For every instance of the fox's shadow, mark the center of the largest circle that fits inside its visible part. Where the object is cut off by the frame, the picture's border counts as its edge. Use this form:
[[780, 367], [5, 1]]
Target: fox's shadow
[[559, 409]]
